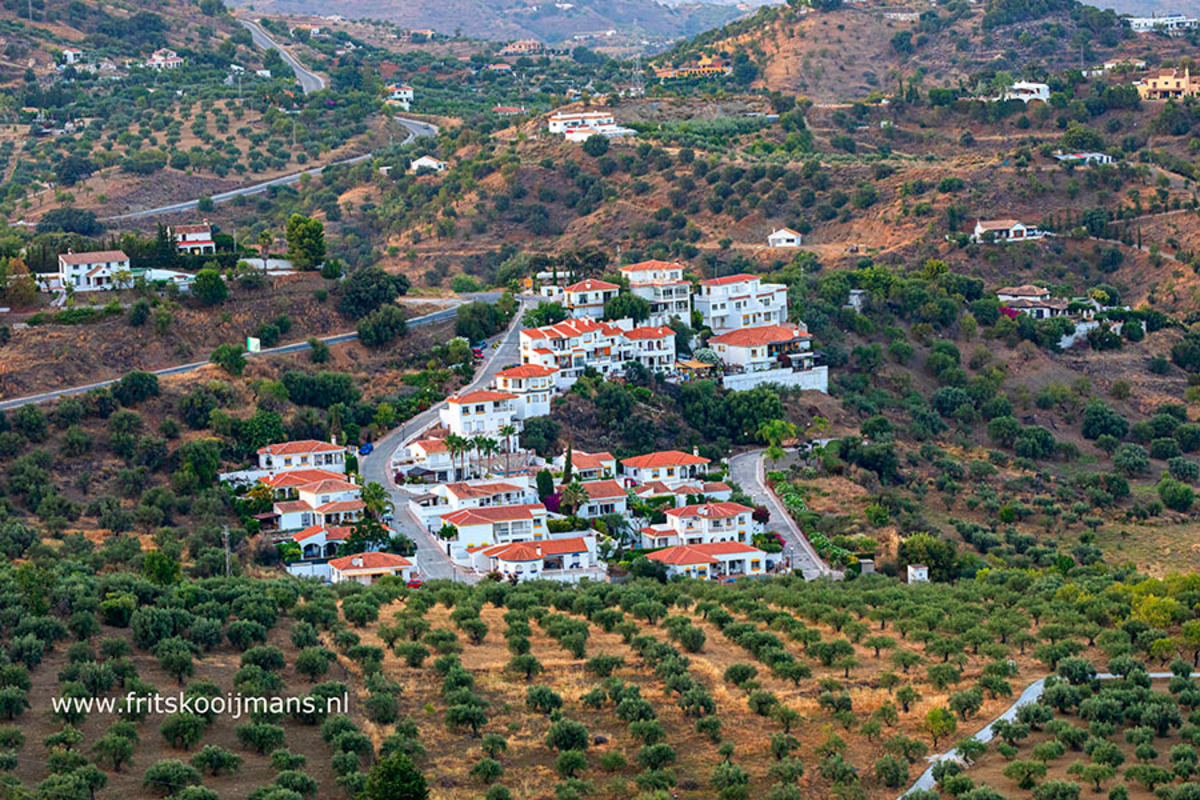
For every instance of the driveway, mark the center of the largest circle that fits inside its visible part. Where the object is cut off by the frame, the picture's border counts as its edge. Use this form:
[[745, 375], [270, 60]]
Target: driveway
[[431, 553], [747, 471]]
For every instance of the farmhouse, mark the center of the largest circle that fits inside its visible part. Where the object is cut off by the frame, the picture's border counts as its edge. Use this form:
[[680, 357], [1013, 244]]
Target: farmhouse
[[87, 272], [164, 59], [1027, 92], [1168, 84], [427, 163], [193, 240], [717, 561], [367, 568], [784, 237], [1004, 230], [562, 121]]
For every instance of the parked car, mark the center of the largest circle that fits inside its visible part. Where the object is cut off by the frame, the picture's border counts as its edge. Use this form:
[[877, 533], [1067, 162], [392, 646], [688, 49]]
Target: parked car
[[365, 448], [415, 583]]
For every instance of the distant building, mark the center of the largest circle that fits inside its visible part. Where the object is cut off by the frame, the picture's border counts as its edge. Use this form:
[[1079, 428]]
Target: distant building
[[509, 111], [522, 47], [1170, 24], [769, 354], [741, 301], [588, 466], [73, 56], [1026, 291], [604, 497], [1168, 84], [1027, 92], [784, 237], [400, 94], [87, 272], [1002, 231], [607, 131], [1084, 158], [427, 162], [587, 297], [500, 67], [562, 121], [367, 568], [327, 502], [164, 59], [918, 573], [193, 240], [705, 67], [662, 284]]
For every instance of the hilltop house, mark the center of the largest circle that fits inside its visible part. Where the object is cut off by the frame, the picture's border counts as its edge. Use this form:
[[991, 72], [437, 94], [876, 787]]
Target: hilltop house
[[703, 523], [72, 55], [784, 237], [326, 502], [490, 525], [301, 455], [778, 354], [716, 561], [164, 59], [562, 121], [400, 94], [1027, 92], [532, 387], [671, 467], [1170, 24], [509, 111], [427, 163], [588, 466], [193, 240], [741, 301], [522, 47], [1001, 231], [1168, 84], [87, 272], [482, 412], [568, 560], [367, 568], [661, 283], [587, 297]]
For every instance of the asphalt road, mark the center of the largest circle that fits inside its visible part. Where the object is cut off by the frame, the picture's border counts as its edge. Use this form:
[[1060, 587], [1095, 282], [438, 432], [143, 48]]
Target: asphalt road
[[748, 472], [431, 554], [309, 81], [295, 347]]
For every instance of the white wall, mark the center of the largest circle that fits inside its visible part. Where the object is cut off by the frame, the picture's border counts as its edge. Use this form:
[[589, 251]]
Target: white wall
[[816, 379]]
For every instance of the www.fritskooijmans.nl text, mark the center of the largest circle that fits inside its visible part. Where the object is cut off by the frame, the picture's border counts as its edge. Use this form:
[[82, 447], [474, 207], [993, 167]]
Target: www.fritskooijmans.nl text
[[234, 706]]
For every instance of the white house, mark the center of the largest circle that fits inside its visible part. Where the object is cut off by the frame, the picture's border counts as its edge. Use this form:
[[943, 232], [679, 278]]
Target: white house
[[740, 301], [588, 466], [1171, 24], [320, 541], [326, 502], [703, 523], [918, 573], [73, 55], [604, 497], [561, 121], [777, 354], [710, 491], [1084, 158], [652, 347], [498, 524], [1002, 231], [194, 240], [661, 283], [569, 560], [480, 412], [587, 297], [717, 561], [427, 458], [303, 454], [427, 162], [445, 498], [164, 59], [784, 237], [532, 386], [671, 467], [1026, 291], [101, 269], [571, 346], [400, 94], [1027, 92], [370, 567], [283, 485]]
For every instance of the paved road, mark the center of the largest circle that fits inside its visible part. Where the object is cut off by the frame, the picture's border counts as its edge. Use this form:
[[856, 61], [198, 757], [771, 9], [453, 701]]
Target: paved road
[[309, 81], [747, 471], [1031, 695], [295, 347], [431, 553]]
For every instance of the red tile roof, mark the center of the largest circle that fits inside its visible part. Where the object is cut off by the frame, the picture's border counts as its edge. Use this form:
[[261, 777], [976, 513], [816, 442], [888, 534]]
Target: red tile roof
[[601, 490], [481, 396], [571, 328], [535, 551], [490, 514], [644, 266], [292, 506], [582, 460], [301, 477], [431, 445], [709, 510], [199, 228], [480, 490], [339, 484], [649, 332], [687, 554], [332, 534], [663, 458], [728, 279], [302, 446], [341, 506], [94, 257], [591, 285], [762, 335], [370, 561], [526, 371]]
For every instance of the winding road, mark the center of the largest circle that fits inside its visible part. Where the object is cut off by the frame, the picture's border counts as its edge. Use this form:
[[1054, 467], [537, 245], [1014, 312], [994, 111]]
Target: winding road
[[747, 471], [431, 555], [310, 82]]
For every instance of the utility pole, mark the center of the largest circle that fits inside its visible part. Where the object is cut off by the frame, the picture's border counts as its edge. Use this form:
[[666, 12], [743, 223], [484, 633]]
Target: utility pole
[[228, 557]]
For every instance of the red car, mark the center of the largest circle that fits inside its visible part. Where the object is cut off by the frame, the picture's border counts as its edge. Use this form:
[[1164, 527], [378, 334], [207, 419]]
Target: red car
[[415, 583]]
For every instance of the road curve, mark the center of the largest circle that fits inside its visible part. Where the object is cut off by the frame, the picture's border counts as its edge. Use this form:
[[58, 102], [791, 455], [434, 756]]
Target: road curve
[[309, 81], [747, 471], [431, 554], [1031, 695], [294, 347]]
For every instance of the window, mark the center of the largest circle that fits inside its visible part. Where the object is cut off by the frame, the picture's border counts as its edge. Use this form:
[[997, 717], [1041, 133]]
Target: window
[[755, 564]]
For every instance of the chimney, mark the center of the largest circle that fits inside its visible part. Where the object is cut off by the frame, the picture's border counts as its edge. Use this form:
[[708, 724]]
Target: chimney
[[333, 439], [695, 450], [356, 561]]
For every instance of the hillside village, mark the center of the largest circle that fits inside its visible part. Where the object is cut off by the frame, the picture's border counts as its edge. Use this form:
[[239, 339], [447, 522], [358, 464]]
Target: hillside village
[[553, 401]]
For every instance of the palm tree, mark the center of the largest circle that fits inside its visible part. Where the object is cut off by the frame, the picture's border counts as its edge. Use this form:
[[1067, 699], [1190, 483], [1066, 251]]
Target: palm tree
[[573, 496], [265, 239], [377, 500], [508, 431], [488, 447], [775, 432], [458, 446], [477, 445]]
